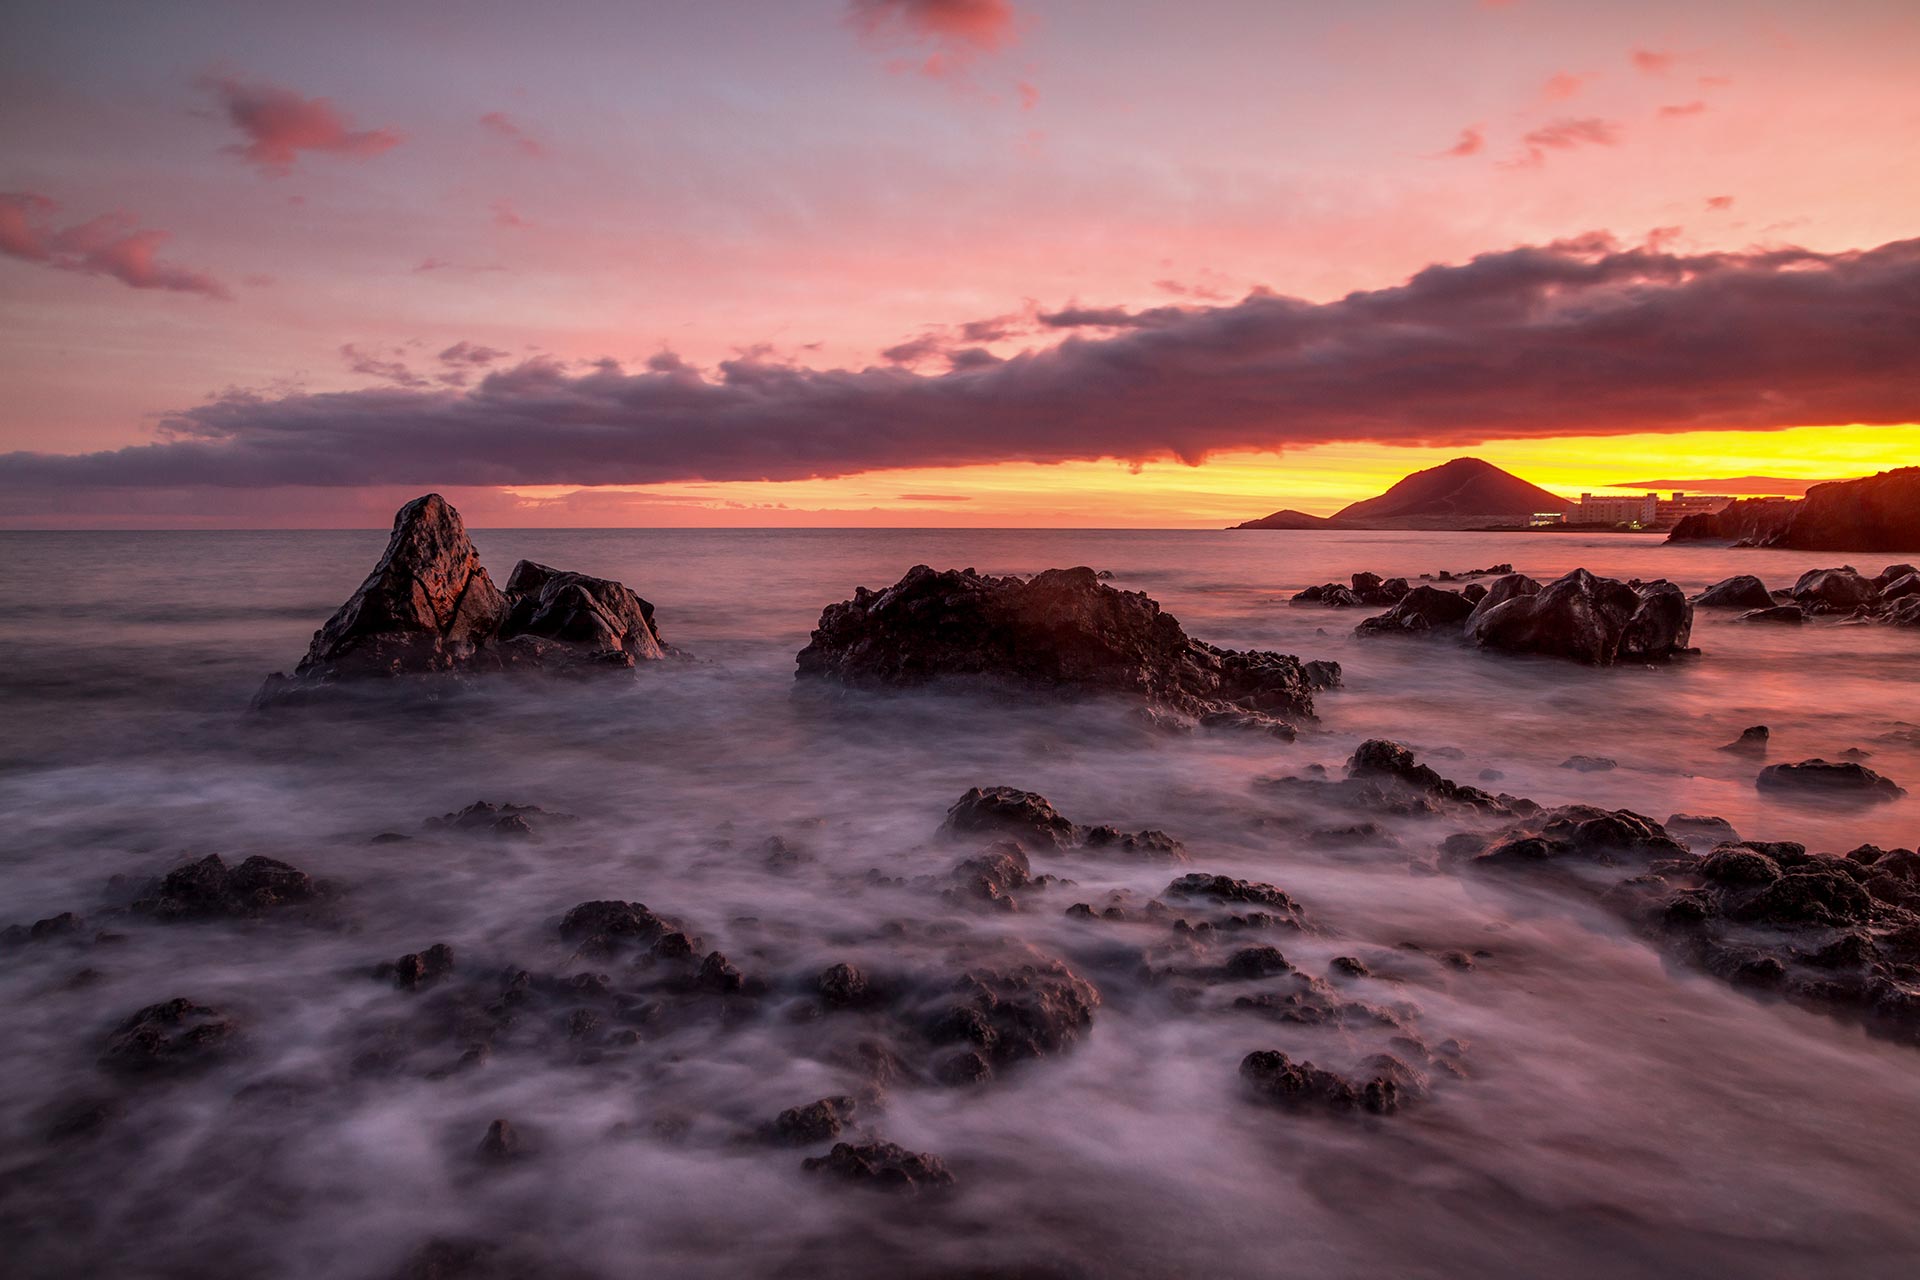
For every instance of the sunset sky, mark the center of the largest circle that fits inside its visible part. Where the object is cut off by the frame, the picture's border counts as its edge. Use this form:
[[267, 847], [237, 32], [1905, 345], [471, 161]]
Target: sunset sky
[[945, 262]]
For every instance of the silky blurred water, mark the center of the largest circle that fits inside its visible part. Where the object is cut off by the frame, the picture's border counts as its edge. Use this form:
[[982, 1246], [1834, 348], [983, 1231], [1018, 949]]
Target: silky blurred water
[[1618, 1116]]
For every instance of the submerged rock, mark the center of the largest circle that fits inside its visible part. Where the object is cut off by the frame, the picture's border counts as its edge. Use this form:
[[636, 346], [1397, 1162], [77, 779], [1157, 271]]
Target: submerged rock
[[1583, 618], [429, 608], [170, 1037], [1789, 614], [1751, 742], [815, 1122], [1845, 779], [1062, 630], [1743, 591], [883, 1166], [1383, 1083], [1421, 610], [1026, 815], [210, 889], [1834, 590]]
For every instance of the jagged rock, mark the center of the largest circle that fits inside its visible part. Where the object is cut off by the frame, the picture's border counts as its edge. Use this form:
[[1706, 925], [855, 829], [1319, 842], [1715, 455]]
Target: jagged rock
[[418, 969], [1062, 631], [209, 889], [173, 1036], [991, 876], [1384, 1082], [66, 924], [1025, 815], [515, 821], [429, 608], [1834, 590], [1011, 1009], [1419, 611], [1894, 573], [1842, 779], [1743, 591], [1751, 742], [1380, 761], [502, 1142], [1006, 810], [1225, 889], [884, 1166], [815, 1122], [555, 619], [1588, 619], [841, 986], [1331, 595], [1579, 834], [610, 925]]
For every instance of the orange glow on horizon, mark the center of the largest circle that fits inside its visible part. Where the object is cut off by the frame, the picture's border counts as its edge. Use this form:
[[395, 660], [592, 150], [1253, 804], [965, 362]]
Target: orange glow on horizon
[[1225, 489]]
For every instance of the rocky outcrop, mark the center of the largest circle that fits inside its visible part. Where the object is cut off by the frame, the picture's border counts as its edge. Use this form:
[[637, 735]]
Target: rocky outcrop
[[429, 608], [1877, 513], [1839, 780], [1834, 590], [1743, 591], [1368, 589], [1583, 618], [1062, 631], [1029, 816], [1839, 935], [1421, 610], [882, 1166]]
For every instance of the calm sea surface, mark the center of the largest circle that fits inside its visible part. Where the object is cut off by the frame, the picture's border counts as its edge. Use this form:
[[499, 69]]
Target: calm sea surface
[[1618, 1116]]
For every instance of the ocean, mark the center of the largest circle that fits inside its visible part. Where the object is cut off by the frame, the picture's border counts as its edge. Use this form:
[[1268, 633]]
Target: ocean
[[1612, 1113]]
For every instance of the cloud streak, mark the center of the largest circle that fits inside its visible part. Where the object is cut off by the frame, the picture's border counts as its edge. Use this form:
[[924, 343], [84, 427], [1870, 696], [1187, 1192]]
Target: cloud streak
[[279, 124], [110, 245], [1581, 337]]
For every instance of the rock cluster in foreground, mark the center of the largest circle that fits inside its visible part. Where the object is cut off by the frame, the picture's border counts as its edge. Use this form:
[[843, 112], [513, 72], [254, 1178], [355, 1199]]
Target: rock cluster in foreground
[[429, 608], [1062, 631], [1579, 617], [1891, 596]]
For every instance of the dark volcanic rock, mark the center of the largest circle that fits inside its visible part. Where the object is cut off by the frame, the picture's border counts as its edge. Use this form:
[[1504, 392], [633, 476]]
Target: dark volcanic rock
[[1224, 889], [609, 925], [1013, 1009], [1590, 764], [556, 619], [1380, 762], [991, 876], [173, 1036], [1842, 780], [1007, 811], [209, 889], [1751, 742], [1593, 620], [1834, 590], [418, 969], [884, 1166], [430, 608], [516, 821], [815, 1122], [1383, 1083], [1700, 829], [1063, 631], [1420, 611], [1743, 591]]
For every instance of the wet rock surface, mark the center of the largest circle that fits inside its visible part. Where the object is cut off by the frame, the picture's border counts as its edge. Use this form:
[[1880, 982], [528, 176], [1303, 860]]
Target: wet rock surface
[[1588, 619], [1062, 630], [1421, 610], [1743, 591], [1383, 1083], [170, 1038], [210, 889], [1838, 780], [429, 608], [1025, 815], [882, 1166]]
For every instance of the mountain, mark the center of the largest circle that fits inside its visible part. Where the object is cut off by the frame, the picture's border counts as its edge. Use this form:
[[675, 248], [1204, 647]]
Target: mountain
[[1286, 519], [1878, 513]]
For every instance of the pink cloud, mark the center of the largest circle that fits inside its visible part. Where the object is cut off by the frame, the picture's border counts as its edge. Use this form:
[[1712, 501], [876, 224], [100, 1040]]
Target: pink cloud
[[109, 245], [279, 124], [977, 25], [1719, 204], [1563, 85], [394, 371], [1652, 62], [1472, 142], [1682, 109], [500, 126], [471, 353], [1566, 135]]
